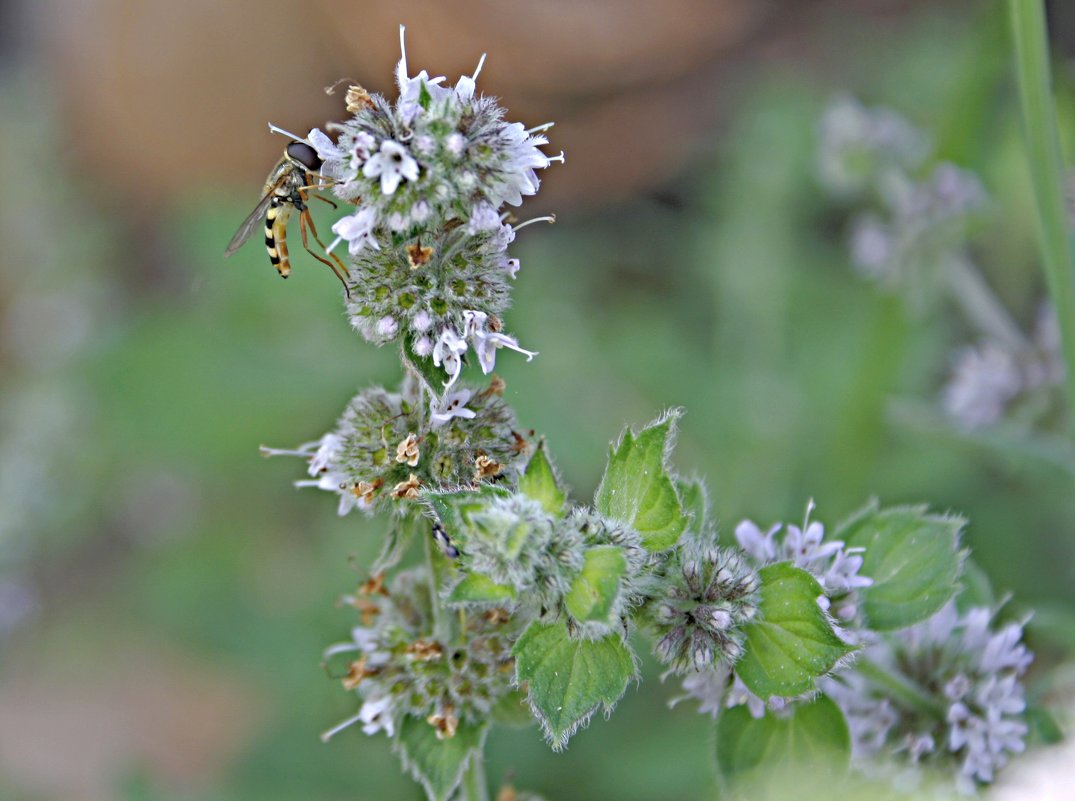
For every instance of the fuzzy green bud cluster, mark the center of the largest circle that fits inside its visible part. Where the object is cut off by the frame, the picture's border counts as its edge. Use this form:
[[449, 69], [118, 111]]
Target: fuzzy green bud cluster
[[401, 667], [709, 595], [388, 446]]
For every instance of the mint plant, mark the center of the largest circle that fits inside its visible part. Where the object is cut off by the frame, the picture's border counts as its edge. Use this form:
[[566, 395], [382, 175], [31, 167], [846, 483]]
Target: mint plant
[[497, 599]]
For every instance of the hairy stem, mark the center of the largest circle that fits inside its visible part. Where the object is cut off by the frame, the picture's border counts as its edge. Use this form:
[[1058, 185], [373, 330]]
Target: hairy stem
[[1046, 166]]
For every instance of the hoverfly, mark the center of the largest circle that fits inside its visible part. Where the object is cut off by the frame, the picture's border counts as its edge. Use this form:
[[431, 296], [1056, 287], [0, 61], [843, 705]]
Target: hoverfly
[[286, 189]]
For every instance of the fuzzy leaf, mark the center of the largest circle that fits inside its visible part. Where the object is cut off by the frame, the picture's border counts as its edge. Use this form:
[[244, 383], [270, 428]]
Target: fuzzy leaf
[[636, 489], [594, 590], [693, 497], [792, 642], [438, 765], [813, 735], [913, 558], [539, 483], [479, 589], [567, 680], [455, 509]]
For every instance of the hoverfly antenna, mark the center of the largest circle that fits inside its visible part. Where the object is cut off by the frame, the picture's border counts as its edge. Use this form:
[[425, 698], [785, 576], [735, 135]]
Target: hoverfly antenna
[[274, 129]]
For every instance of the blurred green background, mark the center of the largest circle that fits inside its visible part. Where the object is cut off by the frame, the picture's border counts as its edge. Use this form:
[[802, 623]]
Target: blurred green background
[[165, 594]]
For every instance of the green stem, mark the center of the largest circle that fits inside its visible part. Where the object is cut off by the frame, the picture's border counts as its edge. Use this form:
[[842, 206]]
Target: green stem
[[1046, 166], [981, 306], [902, 689], [474, 786]]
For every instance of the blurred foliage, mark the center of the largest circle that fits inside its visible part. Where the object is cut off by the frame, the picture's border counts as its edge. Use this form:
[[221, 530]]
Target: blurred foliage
[[731, 296]]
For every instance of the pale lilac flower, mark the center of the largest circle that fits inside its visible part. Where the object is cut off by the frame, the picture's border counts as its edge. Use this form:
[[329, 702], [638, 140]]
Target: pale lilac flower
[[455, 144], [483, 217], [972, 671], [984, 380], [387, 327], [422, 320], [393, 164]]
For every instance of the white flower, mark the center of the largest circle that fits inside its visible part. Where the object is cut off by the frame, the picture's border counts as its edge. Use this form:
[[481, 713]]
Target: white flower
[[510, 266], [485, 342], [327, 150], [357, 230], [453, 405], [392, 163], [376, 715], [361, 147], [328, 449], [447, 353], [465, 86]]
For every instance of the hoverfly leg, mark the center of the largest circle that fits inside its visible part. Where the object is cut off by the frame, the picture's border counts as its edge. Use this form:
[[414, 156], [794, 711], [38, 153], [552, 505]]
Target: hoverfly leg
[[307, 221]]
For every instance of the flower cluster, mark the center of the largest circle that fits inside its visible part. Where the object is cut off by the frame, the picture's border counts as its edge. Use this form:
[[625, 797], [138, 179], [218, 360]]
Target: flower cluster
[[911, 225], [387, 447], [967, 704], [835, 566], [858, 144], [711, 593], [401, 666], [989, 378], [429, 175]]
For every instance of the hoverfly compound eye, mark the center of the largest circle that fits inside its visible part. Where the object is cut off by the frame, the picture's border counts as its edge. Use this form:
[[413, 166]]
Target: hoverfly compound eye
[[304, 155]]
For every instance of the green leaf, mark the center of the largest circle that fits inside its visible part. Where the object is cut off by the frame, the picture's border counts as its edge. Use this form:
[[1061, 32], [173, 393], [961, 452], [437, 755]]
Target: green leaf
[[430, 375], [512, 711], [977, 588], [456, 509], [814, 735], [636, 489], [539, 483], [692, 494], [567, 680], [594, 590], [913, 558], [476, 588], [792, 642], [1044, 727], [438, 765]]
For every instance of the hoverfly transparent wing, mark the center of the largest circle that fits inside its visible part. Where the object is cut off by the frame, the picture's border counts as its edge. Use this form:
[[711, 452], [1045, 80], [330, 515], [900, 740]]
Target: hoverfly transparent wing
[[246, 230]]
